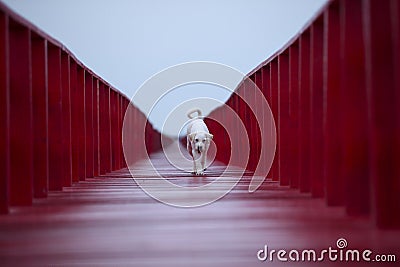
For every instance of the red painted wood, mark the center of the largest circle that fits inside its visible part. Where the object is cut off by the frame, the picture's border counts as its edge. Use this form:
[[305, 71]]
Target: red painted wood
[[332, 105], [226, 138], [256, 126], [21, 132], [274, 104], [109, 127], [54, 131], [113, 121], [128, 136], [89, 124], [123, 107], [265, 88], [241, 93], [343, 126], [316, 91], [55, 118], [251, 124], [66, 119], [259, 109], [294, 141], [137, 134], [383, 109], [222, 137], [75, 119], [118, 139], [96, 138], [240, 110], [149, 138], [4, 114], [110, 221], [284, 119], [354, 112], [304, 112], [260, 123], [395, 36], [81, 123], [40, 117], [104, 118]]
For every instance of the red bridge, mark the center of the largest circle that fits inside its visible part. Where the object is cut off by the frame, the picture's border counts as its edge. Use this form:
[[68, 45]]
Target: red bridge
[[67, 197]]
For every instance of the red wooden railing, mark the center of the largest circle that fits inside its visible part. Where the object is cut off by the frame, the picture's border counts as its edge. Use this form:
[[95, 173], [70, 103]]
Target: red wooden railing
[[335, 97], [60, 122]]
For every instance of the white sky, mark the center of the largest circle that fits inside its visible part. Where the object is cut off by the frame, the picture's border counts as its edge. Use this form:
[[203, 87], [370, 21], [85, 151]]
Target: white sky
[[127, 41]]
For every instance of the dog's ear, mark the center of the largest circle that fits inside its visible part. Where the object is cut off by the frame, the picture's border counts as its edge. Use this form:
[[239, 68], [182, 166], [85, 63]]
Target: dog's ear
[[210, 136], [191, 136]]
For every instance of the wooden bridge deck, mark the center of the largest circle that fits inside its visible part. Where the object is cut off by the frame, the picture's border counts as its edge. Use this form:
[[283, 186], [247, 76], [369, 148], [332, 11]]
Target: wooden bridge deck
[[110, 221]]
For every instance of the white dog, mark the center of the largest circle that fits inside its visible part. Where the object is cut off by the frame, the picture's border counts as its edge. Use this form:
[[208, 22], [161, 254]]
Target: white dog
[[198, 141]]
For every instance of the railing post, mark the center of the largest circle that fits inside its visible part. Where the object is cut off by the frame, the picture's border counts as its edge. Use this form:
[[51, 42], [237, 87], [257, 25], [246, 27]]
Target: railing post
[[316, 91], [104, 128], [332, 105], [89, 123], [109, 129], [129, 132], [21, 133], [383, 105], [260, 124], [76, 117], [284, 119], [123, 106], [96, 132], [4, 114], [117, 118], [353, 110], [81, 122], [66, 119], [40, 117], [228, 136], [274, 104], [55, 118], [242, 115], [293, 156], [113, 126], [265, 88], [304, 112]]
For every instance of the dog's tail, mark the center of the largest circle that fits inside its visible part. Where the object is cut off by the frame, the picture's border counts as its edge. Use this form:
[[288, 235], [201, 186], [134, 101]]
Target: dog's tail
[[190, 113]]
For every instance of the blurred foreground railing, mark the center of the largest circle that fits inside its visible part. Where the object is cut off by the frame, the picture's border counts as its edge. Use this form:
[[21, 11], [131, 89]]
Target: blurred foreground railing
[[335, 97], [60, 122]]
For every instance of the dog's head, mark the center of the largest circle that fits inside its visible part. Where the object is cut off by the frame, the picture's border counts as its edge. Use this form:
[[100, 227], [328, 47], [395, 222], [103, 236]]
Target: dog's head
[[200, 141]]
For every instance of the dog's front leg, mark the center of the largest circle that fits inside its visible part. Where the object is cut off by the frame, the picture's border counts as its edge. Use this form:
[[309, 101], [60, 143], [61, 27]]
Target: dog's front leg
[[203, 162], [194, 163]]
